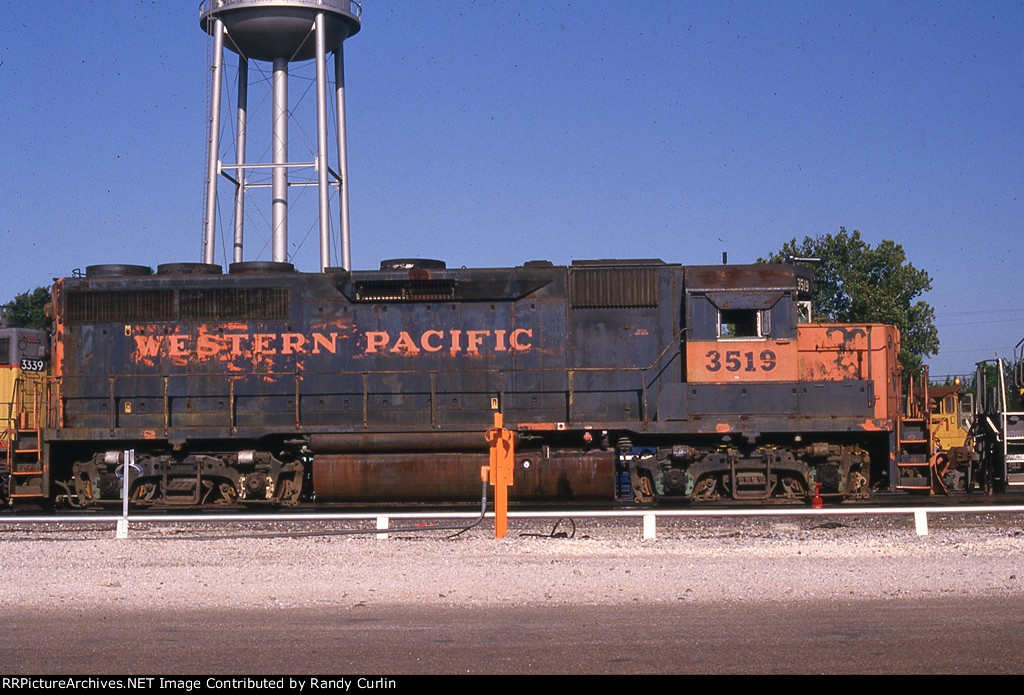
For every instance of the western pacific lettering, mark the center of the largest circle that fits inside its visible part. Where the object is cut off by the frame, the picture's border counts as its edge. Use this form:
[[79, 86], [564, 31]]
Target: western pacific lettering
[[218, 346], [453, 341], [210, 345]]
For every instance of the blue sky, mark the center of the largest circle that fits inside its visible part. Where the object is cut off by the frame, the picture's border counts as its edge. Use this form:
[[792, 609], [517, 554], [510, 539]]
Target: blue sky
[[492, 133]]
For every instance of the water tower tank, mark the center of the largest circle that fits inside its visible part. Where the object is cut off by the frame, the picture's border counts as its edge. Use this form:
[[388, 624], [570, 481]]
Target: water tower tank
[[280, 32], [268, 29]]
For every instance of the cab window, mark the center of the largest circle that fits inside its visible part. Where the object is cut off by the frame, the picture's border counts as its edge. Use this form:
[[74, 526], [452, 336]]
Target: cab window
[[742, 323]]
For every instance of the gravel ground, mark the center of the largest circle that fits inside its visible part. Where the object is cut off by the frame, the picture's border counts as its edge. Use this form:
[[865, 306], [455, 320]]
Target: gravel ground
[[693, 560]]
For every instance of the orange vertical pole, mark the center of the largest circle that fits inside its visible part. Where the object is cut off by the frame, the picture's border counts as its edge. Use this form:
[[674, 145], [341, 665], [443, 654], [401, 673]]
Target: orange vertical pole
[[502, 458]]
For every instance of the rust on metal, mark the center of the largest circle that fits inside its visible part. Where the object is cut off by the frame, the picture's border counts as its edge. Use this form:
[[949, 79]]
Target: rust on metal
[[454, 477], [402, 442], [729, 361]]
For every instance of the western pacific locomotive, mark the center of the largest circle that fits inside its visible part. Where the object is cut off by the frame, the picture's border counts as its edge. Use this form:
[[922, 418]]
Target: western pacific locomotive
[[633, 380]]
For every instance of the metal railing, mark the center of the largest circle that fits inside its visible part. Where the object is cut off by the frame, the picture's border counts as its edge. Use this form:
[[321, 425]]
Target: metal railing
[[633, 389], [302, 388], [349, 7]]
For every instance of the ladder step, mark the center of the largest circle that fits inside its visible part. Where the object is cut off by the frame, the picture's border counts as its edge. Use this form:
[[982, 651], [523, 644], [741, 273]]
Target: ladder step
[[27, 488]]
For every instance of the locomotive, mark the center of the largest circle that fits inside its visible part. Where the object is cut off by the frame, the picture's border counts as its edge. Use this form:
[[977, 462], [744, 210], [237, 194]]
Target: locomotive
[[630, 380]]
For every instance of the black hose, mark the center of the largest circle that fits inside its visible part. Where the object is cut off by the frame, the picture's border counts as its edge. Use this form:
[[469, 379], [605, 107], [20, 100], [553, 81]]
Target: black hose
[[552, 534]]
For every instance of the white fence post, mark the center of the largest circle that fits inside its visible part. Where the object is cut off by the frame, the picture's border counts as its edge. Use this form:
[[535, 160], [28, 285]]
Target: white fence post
[[921, 522]]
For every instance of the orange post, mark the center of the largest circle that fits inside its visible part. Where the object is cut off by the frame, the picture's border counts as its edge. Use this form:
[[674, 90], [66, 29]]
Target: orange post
[[502, 465]]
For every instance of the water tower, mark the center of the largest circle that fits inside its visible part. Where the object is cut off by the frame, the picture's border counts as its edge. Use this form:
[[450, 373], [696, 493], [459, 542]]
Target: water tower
[[279, 32]]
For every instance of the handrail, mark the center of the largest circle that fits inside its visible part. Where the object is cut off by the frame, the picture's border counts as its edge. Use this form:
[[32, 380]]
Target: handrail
[[495, 377], [360, 383], [351, 7], [1018, 364], [990, 399]]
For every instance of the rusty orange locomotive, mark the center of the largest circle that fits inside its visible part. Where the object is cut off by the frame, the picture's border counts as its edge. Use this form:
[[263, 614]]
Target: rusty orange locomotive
[[633, 380]]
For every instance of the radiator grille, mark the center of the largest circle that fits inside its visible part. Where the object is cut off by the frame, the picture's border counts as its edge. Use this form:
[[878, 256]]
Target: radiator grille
[[594, 288], [405, 290], [146, 306], [233, 304], [120, 306]]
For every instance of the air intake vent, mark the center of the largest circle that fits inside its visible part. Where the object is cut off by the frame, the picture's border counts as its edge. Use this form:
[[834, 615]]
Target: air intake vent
[[595, 288], [149, 306], [234, 304], [405, 290], [120, 306]]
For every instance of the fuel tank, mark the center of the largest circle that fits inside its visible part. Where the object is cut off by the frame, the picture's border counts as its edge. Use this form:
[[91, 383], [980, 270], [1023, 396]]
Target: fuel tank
[[455, 477]]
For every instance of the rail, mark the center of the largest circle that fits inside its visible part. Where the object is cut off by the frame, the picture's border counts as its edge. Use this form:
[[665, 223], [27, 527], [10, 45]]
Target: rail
[[383, 529], [1018, 364], [349, 7]]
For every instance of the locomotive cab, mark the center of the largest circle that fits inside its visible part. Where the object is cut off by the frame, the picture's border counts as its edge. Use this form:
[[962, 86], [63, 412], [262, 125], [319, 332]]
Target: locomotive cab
[[771, 406], [741, 324]]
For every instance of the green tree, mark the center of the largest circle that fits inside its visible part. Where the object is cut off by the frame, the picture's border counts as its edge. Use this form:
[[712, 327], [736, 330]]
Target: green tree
[[858, 284], [28, 309]]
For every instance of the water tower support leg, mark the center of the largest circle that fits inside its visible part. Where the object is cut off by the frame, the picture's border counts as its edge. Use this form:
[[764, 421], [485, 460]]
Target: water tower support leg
[[243, 99], [339, 81], [321, 142], [212, 165], [279, 182]]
